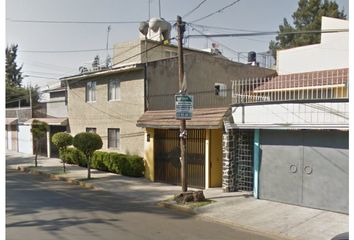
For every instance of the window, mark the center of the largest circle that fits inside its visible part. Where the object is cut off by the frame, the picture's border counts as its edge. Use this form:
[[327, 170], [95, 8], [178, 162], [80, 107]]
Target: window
[[170, 54], [220, 89], [113, 138], [91, 92], [91, 130], [113, 90]]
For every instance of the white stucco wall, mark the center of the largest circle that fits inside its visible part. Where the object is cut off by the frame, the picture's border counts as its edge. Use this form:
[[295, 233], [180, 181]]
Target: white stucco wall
[[25, 143], [57, 108], [331, 53], [290, 115]]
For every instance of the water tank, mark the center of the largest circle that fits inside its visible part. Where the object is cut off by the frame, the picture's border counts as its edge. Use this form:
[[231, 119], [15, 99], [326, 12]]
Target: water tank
[[252, 56]]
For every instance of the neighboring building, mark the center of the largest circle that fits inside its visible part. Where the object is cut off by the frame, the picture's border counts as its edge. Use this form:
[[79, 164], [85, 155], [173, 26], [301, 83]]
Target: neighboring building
[[288, 138], [17, 135], [331, 53], [56, 104], [112, 103], [53, 111]]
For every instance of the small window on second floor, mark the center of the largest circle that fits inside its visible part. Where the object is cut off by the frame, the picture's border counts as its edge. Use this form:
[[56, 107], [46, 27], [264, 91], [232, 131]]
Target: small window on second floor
[[220, 89], [113, 90], [91, 91], [91, 130]]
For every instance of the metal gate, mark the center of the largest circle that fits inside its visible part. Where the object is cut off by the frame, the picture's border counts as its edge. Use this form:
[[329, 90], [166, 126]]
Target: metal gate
[[307, 167], [244, 160], [167, 153]]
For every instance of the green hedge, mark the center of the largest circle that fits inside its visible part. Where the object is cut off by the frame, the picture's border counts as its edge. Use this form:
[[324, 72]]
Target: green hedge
[[73, 156], [127, 165]]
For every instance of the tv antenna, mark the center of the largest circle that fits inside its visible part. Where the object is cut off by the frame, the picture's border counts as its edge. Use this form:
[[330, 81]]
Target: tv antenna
[[108, 58]]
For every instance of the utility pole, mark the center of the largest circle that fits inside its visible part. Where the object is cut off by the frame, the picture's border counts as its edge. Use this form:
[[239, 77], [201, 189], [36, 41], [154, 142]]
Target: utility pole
[[182, 91]]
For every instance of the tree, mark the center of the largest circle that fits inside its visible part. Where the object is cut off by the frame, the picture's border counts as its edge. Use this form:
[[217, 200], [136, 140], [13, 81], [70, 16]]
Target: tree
[[15, 93], [88, 143], [62, 140], [307, 17], [13, 72], [39, 131]]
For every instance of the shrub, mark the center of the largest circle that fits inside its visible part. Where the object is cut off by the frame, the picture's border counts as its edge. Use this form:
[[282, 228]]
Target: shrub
[[73, 156], [127, 165], [62, 140], [99, 159], [134, 167], [88, 143]]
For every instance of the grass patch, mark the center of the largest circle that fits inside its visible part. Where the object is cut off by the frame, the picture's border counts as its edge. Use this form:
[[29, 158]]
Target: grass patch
[[198, 204]]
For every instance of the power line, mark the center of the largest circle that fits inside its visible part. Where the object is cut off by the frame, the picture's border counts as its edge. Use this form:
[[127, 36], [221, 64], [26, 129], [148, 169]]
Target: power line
[[194, 9], [221, 28], [269, 33], [71, 22], [218, 11], [64, 51], [230, 49], [36, 76]]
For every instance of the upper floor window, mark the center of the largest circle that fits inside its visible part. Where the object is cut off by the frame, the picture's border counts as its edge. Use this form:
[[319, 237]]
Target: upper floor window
[[113, 90], [91, 91], [220, 89], [113, 138], [91, 130]]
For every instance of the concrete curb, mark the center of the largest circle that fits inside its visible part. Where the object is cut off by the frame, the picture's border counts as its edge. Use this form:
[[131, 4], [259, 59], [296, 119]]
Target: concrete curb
[[177, 207], [59, 178]]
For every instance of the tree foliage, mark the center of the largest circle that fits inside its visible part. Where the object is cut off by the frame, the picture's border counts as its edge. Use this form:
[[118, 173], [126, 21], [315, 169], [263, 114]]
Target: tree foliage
[[39, 131], [62, 140], [15, 93], [307, 17], [13, 72], [88, 143]]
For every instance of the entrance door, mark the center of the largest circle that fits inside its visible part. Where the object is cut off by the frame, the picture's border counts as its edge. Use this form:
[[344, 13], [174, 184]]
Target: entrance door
[[308, 168], [167, 153]]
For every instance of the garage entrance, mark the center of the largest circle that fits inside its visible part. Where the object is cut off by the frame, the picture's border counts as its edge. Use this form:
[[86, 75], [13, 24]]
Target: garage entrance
[[306, 167], [167, 153]]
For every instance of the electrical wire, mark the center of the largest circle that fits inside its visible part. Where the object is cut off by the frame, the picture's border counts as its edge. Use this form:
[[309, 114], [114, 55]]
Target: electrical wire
[[70, 22], [194, 9], [269, 33], [64, 51], [218, 11]]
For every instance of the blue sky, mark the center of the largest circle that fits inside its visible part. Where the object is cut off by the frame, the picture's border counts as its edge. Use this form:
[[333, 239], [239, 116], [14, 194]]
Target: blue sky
[[252, 15]]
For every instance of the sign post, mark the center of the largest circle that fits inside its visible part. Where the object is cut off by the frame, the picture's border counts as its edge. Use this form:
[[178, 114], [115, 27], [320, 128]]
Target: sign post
[[184, 106]]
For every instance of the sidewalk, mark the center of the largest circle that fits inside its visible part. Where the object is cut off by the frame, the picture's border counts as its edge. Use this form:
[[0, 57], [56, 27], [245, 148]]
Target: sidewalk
[[234, 209]]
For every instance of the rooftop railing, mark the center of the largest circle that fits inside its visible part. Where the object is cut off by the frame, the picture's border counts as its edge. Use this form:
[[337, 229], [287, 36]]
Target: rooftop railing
[[320, 85]]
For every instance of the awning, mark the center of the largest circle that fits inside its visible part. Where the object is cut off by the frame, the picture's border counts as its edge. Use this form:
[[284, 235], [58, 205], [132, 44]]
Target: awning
[[11, 121], [205, 118], [49, 121]]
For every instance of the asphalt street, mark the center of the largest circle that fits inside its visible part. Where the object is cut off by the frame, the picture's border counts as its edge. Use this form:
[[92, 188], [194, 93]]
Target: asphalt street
[[40, 208]]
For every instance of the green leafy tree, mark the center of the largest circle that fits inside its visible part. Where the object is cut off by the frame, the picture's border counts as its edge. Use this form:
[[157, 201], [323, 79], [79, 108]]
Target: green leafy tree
[[307, 17], [39, 131], [62, 140], [15, 93], [88, 143], [13, 72]]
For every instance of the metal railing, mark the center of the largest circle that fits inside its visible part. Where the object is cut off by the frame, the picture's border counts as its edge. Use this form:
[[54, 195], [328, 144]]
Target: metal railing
[[329, 84], [201, 99]]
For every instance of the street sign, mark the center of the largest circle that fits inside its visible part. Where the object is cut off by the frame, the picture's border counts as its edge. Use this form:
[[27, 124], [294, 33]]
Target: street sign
[[184, 107]]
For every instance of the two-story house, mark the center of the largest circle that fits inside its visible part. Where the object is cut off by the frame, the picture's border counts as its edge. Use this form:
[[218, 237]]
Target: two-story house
[[118, 103], [288, 137]]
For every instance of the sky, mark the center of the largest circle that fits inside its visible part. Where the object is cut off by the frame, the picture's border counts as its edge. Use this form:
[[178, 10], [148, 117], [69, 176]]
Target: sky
[[44, 69]]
